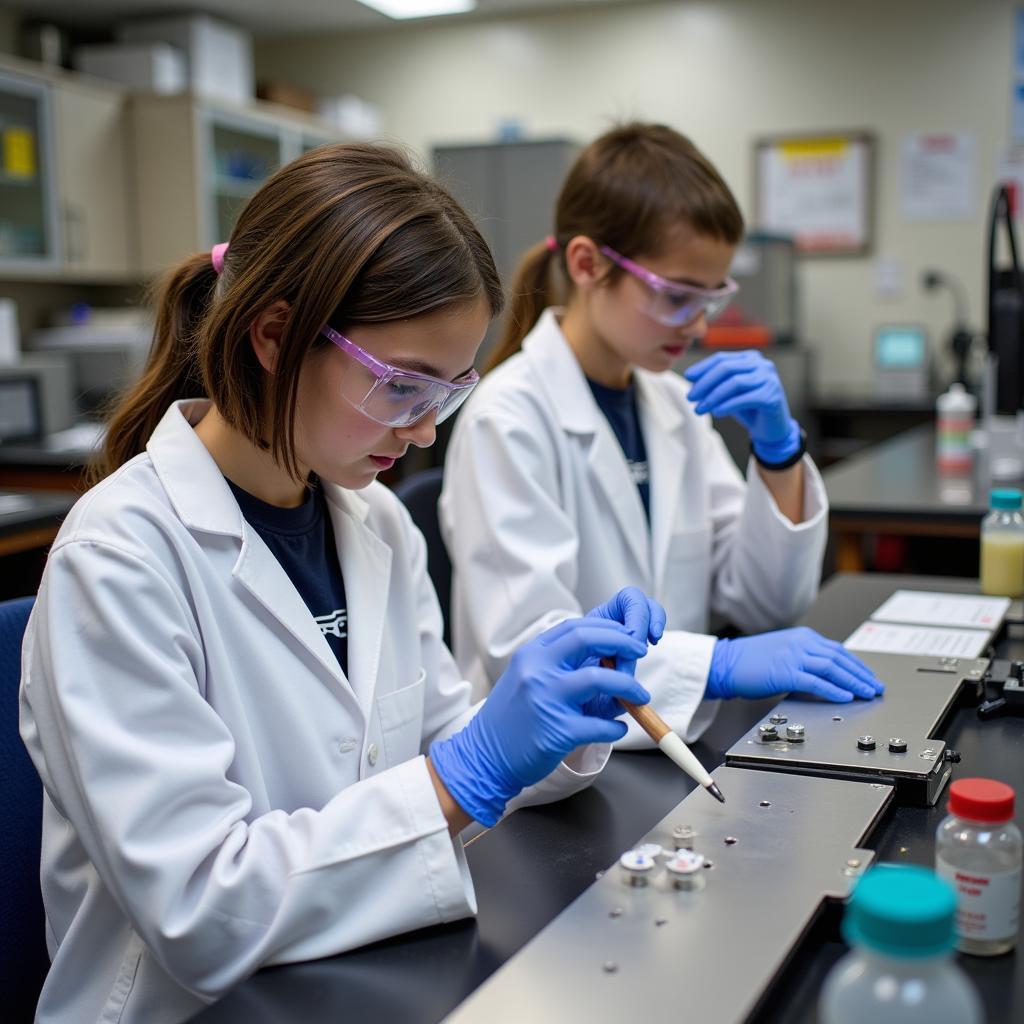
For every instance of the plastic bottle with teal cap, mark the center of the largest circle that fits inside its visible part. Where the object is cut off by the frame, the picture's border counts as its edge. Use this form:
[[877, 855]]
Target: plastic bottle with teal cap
[[901, 923], [1002, 545]]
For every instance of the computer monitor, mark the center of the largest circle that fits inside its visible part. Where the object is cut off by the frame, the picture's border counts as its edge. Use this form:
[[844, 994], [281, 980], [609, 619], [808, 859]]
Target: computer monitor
[[901, 361]]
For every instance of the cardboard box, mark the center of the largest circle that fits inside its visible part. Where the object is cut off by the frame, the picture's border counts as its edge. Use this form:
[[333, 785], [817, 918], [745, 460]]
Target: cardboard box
[[287, 94]]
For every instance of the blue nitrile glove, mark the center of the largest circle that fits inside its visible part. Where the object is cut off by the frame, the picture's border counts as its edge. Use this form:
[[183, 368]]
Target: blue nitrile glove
[[642, 616], [550, 700], [746, 386], [789, 661]]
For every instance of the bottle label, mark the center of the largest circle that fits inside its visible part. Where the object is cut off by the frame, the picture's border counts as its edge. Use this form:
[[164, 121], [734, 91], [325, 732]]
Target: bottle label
[[987, 905]]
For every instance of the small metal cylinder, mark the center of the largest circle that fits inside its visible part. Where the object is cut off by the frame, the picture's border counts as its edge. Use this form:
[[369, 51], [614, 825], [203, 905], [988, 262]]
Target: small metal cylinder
[[685, 870], [795, 733], [637, 867], [866, 743], [683, 837]]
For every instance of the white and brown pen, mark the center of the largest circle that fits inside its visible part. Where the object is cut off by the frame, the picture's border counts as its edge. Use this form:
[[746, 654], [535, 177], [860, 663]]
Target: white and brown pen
[[670, 742]]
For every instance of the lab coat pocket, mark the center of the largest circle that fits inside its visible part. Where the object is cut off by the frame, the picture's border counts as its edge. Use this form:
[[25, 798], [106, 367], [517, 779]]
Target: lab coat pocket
[[687, 579], [400, 714]]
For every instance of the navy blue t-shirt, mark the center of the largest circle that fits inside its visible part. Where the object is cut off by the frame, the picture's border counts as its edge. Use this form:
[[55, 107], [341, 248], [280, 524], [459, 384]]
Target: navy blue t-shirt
[[302, 540], [619, 406]]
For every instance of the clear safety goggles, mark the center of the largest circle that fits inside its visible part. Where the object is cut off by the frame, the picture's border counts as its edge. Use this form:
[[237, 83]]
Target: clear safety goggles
[[671, 303], [394, 397]]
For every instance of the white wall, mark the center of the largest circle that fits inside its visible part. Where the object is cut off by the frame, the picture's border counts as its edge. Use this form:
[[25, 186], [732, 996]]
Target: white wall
[[724, 72]]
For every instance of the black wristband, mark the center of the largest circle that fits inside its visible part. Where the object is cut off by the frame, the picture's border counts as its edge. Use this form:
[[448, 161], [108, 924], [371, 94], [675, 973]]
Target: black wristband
[[775, 467]]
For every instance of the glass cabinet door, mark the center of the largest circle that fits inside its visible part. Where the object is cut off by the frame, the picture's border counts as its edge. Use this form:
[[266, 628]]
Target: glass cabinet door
[[240, 157], [28, 200]]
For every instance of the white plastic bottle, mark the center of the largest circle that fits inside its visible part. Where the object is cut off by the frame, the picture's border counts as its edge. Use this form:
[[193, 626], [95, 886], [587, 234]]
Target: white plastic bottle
[[955, 421], [900, 922], [978, 851]]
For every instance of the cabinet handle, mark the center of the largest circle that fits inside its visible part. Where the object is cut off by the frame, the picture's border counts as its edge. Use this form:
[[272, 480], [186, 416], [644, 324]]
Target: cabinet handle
[[75, 248]]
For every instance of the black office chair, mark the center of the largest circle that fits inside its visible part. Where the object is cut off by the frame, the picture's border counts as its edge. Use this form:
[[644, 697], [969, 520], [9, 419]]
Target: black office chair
[[23, 957], [419, 493]]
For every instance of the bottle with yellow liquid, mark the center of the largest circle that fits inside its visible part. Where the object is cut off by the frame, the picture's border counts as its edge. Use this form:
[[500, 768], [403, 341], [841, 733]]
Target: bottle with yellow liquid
[[1002, 545]]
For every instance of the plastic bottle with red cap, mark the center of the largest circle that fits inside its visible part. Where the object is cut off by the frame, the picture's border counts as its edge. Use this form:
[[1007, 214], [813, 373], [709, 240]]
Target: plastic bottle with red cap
[[978, 851]]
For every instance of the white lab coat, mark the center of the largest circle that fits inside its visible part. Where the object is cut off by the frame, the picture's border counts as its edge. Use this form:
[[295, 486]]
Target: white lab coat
[[218, 795], [543, 521]]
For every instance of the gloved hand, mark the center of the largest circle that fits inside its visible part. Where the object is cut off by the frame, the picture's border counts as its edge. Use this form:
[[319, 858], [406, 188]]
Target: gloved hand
[[642, 616], [746, 386], [551, 700], [789, 661]]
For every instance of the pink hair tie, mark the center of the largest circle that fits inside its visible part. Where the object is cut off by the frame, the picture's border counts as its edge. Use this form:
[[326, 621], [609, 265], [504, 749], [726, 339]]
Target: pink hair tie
[[217, 256], [552, 243]]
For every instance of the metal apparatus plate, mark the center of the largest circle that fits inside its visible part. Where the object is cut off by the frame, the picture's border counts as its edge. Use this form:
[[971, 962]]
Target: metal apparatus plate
[[919, 692], [709, 953]]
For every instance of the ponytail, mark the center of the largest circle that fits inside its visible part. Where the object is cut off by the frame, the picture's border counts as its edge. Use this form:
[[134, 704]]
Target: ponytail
[[172, 370], [532, 293]]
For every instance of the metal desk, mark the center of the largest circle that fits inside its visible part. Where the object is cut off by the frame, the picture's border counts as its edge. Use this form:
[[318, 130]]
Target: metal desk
[[539, 860], [30, 519], [846, 422], [895, 488], [41, 465]]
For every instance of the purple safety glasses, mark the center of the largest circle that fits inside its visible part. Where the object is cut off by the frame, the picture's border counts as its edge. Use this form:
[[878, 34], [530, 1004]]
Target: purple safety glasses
[[671, 303], [395, 397]]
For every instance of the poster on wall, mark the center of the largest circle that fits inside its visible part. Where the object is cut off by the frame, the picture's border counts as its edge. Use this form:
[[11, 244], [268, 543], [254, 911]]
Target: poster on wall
[[817, 188], [938, 181], [1017, 80]]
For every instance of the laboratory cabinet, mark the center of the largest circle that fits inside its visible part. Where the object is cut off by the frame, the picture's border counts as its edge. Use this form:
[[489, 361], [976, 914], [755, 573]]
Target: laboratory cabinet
[[197, 162], [510, 190], [64, 189]]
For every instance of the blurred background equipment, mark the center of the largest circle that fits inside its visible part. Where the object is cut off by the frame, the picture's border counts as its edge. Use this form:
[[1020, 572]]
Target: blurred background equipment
[[901, 361], [764, 311], [1005, 309], [961, 337]]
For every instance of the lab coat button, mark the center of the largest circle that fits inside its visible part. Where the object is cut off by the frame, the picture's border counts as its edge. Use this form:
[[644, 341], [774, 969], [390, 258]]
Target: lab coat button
[[371, 754]]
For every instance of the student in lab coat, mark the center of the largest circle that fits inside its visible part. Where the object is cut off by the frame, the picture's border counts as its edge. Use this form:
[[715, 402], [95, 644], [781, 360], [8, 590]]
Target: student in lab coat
[[255, 746], [582, 463]]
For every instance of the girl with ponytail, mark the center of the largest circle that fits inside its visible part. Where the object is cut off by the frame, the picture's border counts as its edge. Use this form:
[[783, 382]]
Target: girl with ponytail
[[584, 463], [255, 746]]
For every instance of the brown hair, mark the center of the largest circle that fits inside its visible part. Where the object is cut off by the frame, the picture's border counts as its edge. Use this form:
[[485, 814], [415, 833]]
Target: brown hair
[[627, 189], [347, 234]]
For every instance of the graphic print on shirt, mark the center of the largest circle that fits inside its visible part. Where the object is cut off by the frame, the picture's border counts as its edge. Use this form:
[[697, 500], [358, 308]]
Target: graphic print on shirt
[[639, 472], [334, 623]]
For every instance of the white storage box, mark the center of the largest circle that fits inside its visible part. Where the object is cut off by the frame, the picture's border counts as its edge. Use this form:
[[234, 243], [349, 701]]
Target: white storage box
[[352, 116], [145, 67], [219, 55]]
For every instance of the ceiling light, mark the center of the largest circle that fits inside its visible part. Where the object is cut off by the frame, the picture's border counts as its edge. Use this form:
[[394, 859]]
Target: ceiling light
[[419, 8]]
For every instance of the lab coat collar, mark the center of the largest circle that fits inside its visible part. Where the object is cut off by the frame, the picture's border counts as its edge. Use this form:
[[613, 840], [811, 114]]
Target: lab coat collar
[[561, 376], [668, 432], [204, 502], [190, 476], [366, 569], [193, 480], [577, 412], [665, 427]]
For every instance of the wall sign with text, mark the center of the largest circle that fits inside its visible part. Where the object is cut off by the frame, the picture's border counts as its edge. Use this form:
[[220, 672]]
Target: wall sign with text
[[817, 189]]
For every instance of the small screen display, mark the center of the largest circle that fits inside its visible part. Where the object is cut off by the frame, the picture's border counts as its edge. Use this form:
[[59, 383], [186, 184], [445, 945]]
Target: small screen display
[[900, 347], [19, 408]]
